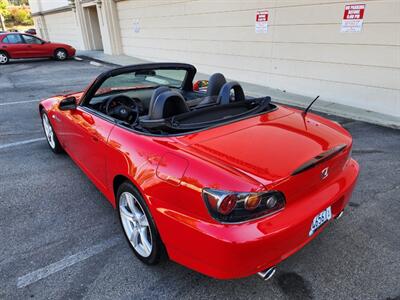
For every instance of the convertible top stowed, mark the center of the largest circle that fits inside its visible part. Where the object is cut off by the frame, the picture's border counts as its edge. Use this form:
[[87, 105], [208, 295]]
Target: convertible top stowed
[[159, 99]]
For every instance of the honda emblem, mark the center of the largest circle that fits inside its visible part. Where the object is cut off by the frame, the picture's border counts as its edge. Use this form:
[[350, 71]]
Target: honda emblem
[[325, 173]]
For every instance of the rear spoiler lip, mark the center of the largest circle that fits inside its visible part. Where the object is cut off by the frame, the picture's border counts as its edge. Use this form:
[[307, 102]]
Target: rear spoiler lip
[[319, 159]]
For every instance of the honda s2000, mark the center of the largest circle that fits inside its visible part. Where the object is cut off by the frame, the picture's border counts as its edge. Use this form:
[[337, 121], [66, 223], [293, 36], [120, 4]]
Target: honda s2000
[[223, 183]]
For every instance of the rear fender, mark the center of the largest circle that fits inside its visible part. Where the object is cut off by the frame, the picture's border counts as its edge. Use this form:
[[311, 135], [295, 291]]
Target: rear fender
[[8, 54]]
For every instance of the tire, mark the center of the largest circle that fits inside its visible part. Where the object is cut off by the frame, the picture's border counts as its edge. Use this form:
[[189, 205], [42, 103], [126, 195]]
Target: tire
[[60, 54], [4, 58], [50, 134], [140, 232]]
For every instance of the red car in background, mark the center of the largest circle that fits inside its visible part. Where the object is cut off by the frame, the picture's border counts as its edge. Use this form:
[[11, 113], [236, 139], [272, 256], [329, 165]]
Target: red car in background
[[24, 45], [223, 183]]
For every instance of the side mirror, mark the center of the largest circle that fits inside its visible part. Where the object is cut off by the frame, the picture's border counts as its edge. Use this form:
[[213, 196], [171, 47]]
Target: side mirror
[[68, 104]]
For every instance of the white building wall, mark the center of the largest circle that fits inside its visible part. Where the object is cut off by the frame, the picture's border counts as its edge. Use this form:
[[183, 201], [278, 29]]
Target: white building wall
[[34, 6], [43, 5], [57, 26], [63, 27], [303, 52]]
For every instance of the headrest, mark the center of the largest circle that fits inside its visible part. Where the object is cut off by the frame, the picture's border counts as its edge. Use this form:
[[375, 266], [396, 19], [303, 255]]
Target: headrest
[[224, 96], [168, 104], [156, 93], [215, 84]]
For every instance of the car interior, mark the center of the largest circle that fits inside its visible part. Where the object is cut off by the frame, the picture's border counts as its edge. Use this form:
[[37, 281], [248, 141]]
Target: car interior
[[163, 108]]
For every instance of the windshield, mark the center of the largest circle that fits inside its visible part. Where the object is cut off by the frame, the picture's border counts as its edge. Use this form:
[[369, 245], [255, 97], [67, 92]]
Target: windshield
[[143, 79]]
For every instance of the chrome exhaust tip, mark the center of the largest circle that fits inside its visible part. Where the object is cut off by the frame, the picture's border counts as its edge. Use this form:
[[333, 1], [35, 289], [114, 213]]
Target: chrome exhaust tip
[[267, 274], [339, 215]]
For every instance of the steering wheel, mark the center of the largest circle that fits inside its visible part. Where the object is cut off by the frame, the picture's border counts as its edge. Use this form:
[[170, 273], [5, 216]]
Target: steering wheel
[[123, 108]]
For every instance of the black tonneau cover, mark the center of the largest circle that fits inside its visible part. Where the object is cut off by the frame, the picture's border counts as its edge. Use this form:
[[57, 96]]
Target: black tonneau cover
[[210, 116]]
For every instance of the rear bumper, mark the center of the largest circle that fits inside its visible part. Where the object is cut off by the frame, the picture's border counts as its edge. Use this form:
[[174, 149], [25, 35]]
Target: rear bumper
[[240, 250]]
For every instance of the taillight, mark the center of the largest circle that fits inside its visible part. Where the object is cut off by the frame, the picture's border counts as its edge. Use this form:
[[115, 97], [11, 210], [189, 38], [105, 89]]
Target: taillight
[[252, 201], [228, 204], [232, 207]]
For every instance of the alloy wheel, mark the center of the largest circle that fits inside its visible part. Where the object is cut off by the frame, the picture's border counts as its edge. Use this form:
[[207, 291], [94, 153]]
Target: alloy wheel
[[61, 55], [48, 131], [135, 224], [3, 58]]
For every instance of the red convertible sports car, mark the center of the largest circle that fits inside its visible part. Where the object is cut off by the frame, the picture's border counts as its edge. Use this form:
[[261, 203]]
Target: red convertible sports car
[[223, 183]]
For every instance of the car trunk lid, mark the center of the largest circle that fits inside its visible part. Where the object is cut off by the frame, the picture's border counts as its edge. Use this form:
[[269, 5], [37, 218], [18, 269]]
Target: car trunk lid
[[275, 150]]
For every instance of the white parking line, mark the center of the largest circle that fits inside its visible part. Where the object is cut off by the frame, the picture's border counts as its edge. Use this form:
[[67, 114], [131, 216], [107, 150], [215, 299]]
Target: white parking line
[[19, 102], [22, 143], [65, 262], [95, 63]]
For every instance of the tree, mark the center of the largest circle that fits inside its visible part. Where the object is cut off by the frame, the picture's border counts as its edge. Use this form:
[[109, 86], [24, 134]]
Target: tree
[[19, 15], [4, 8]]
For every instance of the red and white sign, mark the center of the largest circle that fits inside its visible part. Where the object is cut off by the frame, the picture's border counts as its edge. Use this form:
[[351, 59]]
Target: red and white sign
[[353, 18], [262, 21]]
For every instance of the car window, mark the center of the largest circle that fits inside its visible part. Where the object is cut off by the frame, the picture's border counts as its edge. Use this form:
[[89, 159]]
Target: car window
[[143, 79], [13, 39], [32, 40]]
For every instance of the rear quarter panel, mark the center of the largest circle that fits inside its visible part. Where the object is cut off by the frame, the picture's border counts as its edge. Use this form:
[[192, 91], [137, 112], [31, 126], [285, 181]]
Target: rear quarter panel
[[162, 170], [153, 164]]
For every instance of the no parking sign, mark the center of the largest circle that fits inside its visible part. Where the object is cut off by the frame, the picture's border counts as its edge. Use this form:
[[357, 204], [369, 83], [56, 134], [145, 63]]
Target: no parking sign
[[262, 21], [353, 18]]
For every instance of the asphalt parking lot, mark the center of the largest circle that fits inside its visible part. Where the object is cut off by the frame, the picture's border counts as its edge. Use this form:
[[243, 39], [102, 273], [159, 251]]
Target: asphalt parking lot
[[60, 238]]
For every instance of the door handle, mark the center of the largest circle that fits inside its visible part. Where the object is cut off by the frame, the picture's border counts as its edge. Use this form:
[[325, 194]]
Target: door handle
[[4, 47], [88, 118], [95, 139]]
